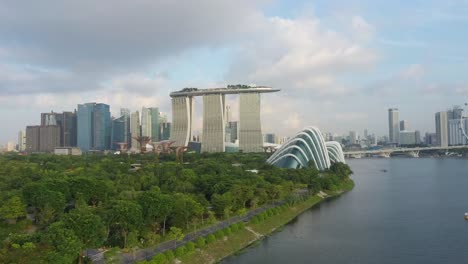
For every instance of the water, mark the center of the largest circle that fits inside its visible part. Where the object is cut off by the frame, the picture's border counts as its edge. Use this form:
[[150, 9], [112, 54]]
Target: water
[[413, 213]]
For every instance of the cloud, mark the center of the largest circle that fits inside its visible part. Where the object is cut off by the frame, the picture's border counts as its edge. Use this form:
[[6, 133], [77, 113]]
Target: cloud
[[302, 56]]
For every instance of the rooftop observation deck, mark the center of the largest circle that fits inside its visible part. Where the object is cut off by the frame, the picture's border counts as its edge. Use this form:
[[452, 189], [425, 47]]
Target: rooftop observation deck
[[231, 89]]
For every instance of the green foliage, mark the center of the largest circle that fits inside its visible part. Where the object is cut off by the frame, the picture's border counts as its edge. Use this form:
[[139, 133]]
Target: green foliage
[[65, 243], [180, 251], [219, 234], [200, 242], [92, 201], [240, 225], [190, 247], [159, 259], [227, 231], [210, 238], [169, 255], [13, 208], [234, 228]]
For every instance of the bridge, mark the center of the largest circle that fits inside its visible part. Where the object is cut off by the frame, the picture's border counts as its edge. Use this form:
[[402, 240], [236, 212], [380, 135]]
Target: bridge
[[413, 152]]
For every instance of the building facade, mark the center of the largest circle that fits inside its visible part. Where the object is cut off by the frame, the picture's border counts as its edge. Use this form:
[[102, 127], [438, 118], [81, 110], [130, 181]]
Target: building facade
[[441, 124], [393, 126], [85, 126], [154, 111], [214, 124], [404, 125], [135, 129], [182, 115], [250, 130], [21, 140]]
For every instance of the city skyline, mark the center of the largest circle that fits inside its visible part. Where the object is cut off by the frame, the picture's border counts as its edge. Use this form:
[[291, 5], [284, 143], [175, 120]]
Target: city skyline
[[326, 56]]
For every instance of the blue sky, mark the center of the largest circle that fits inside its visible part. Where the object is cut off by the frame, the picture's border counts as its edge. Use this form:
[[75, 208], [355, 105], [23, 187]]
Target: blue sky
[[340, 64]]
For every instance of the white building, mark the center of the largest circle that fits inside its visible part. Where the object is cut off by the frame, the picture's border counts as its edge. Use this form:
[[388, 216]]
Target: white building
[[135, 129], [441, 124], [408, 137], [22, 140], [455, 136]]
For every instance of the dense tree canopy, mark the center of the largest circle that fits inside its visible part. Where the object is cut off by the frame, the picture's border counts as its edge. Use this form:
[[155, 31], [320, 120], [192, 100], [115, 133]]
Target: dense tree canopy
[[79, 202]]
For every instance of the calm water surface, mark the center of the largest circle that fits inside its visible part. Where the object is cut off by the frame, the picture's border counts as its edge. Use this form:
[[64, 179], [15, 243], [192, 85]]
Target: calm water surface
[[413, 213]]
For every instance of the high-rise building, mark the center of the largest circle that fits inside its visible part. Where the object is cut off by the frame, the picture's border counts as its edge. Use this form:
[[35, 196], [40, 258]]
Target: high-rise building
[[430, 139], [393, 126], [127, 135], [404, 125], [21, 140], [146, 122], [93, 126], [42, 138], [407, 138], [154, 111], [228, 114], [49, 138], [69, 129], [441, 124], [182, 117], [32, 138], [51, 119], [456, 136], [214, 124], [353, 137], [164, 131], [135, 129], [250, 128], [121, 129], [85, 126]]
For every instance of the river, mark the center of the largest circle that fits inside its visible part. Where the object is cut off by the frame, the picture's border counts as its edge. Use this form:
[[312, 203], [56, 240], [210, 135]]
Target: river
[[413, 213]]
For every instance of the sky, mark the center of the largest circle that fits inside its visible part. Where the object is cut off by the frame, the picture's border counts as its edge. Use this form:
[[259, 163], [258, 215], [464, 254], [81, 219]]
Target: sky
[[339, 64]]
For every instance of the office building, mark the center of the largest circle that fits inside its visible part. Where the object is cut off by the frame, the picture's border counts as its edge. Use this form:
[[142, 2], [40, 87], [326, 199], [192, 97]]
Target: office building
[[353, 137], [407, 137], [135, 129], [404, 125], [154, 111], [430, 139], [441, 124], [145, 122], [164, 131], [68, 129], [393, 126], [456, 136], [93, 126], [250, 129], [42, 138], [21, 140]]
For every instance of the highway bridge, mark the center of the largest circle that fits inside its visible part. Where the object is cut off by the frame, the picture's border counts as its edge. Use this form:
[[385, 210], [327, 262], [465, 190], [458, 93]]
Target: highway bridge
[[413, 152]]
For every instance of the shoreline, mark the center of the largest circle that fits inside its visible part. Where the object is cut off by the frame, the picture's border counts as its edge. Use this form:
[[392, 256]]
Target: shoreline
[[254, 233]]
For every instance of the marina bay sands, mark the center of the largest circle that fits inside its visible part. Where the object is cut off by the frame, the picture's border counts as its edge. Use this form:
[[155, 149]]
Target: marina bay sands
[[214, 118]]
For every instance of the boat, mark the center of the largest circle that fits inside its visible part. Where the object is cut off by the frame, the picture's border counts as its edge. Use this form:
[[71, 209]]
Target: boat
[[466, 216], [384, 170]]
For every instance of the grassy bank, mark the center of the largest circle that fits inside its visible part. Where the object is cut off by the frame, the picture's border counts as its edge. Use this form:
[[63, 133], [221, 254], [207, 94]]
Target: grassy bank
[[220, 249]]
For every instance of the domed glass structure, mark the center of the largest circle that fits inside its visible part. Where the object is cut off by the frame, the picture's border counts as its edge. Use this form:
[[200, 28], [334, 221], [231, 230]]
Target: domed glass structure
[[305, 148]]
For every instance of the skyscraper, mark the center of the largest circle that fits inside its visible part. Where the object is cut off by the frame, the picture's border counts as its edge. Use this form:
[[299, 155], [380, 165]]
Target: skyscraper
[[404, 125], [214, 124], [393, 126], [93, 126], [250, 130], [135, 129], [85, 126], [69, 131], [32, 139], [441, 124], [21, 140], [121, 129], [146, 122], [154, 111]]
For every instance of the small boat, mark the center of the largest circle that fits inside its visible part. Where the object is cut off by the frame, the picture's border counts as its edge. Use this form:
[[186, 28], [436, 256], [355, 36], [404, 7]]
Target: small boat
[[384, 170], [466, 216]]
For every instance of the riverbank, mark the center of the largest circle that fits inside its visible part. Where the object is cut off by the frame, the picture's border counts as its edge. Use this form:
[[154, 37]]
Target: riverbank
[[236, 242]]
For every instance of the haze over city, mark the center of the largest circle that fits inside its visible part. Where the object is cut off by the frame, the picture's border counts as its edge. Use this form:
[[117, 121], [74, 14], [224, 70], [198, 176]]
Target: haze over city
[[339, 64]]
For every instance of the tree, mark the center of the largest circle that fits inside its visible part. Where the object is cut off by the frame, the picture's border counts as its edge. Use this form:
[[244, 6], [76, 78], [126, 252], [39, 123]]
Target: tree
[[86, 225], [65, 243], [13, 209], [222, 204], [124, 216], [175, 234]]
